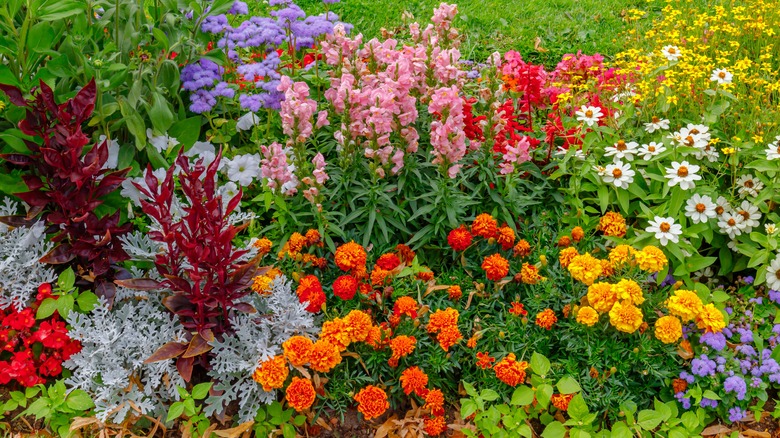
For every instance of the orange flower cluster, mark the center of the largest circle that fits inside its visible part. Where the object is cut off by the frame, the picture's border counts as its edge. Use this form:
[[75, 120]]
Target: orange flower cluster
[[345, 287], [401, 346], [295, 245], [546, 319], [485, 226], [460, 238], [405, 306], [372, 401], [310, 290], [510, 371], [434, 402], [297, 350], [454, 292], [262, 283], [300, 394], [496, 267], [445, 324], [612, 224], [561, 401], [577, 234], [566, 255], [414, 380], [388, 261], [564, 241], [529, 274], [263, 245], [435, 426], [506, 237], [522, 249], [271, 373], [351, 257], [324, 356], [484, 360], [405, 253], [518, 309]]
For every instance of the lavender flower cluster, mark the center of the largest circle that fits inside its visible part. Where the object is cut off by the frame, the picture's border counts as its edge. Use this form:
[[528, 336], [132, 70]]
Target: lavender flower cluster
[[253, 44], [737, 365]]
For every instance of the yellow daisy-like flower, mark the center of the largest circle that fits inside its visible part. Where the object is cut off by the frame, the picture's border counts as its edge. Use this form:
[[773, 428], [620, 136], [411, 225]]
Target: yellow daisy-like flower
[[588, 316], [685, 304], [710, 319], [651, 259], [601, 297], [627, 289], [625, 317], [668, 329], [585, 268]]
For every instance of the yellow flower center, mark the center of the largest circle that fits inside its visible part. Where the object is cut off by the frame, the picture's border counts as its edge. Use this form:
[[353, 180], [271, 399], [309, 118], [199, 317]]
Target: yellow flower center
[[588, 113], [722, 75], [621, 145], [656, 119], [700, 207], [744, 214], [719, 210], [617, 173], [732, 222], [672, 51], [682, 171], [665, 227], [651, 148]]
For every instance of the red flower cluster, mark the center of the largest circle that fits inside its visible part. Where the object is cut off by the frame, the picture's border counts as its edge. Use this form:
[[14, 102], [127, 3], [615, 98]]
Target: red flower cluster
[[29, 353]]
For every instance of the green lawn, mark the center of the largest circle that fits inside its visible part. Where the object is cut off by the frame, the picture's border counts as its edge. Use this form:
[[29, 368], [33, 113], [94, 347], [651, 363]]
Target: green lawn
[[563, 26]]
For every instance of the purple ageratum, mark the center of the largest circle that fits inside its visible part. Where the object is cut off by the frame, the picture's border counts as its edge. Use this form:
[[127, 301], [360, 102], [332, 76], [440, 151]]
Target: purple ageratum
[[215, 24], [238, 8], [747, 350], [737, 385], [200, 74], [717, 341], [703, 366], [687, 377], [737, 414], [707, 403], [774, 296]]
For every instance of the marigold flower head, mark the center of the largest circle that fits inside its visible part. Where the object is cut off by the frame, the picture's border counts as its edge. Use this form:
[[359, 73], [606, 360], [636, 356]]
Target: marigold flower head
[[685, 304], [434, 402], [425, 275], [357, 325], [414, 380], [485, 226], [627, 289], [296, 243], [710, 319], [442, 318], [454, 292], [625, 317], [297, 349], [510, 371], [606, 269], [522, 249], [518, 309], [588, 316], [300, 394], [585, 268], [484, 360], [577, 234], [601, 296], [378, 336], [564, 241], [271, 373], [546, 319], [405, 306], [435, 426], [345, 287], [495, 266], [448, 336], [561, 401], [651, 259], [529, 274], [335, 332], [621, 256], [472, 342], [372, 402], [679, 385], [324, 356], [401, 346], [313, 237], [566, 255], [405, 253], [506, 237], [459, 239], [379, 276], [310, 290], [612, 224], [668, 329], [263, 245], [262, 284], [388, 261], [350, 256]]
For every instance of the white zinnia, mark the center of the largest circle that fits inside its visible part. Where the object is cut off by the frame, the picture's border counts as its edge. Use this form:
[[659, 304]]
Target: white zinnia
[[750, 214], [622, 150], [700, 208], [665, 229], [721, 76], [619, 174], [657, 124], [748, 186], [732, 224], [684, 174], [672, 53], [773, 150], [773, 274], [650, 150], [589, 115]]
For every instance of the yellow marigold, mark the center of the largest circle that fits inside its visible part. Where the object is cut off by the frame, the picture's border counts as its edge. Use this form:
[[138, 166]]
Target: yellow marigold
[[621, 256], [454, 292], [522, 249], [651, 259], [324, 356], [612, 224], [668, 329], [335, 332], [448, 336], [685, 304], [414, 380], [300, 394], [372, 402], [625, 316], [601, 296], [510, 371], [296, 243], [606, 269], [297, 350], [485, 226], [357, 325], [495, 266], [577, 234], [546, 318], [566, 255], [588, 316], [401, 346], [529, 274], [627, 289], [262, 284], [435, 426], [350, 256], [442, 318], [585, 268], [710, 319], [272, 373], [506, 237], [263, 245]]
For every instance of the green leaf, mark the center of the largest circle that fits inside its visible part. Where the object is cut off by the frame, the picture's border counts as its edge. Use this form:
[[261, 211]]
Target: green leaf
[[567, 385], [175, 411], [201, 390], [186, 131], [46, 309], [470, 389], [135, 124], [523, 396], [79, 400], [467, 408], [710, 395], [690, 421], [578, 409], [539, 364], [65, 305], [66, 280], [620, 430], [160, 114], [649, 419], [543, 394], [554, 430], [41, 37], [288, 431], [488, 395], [87, 301]]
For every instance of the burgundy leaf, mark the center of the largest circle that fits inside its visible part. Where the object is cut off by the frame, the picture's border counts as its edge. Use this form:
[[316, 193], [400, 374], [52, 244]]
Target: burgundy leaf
[[60, 254], [197, 346], [167, 351], [18, 159], [84, 102], [106, 290], [14, 94], [244, 307], [184, 365], [17, 221], [176, 303], [139, 283]]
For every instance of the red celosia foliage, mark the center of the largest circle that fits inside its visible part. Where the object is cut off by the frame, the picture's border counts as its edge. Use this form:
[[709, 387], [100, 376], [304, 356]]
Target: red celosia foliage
[[30, 350], [67, 182]]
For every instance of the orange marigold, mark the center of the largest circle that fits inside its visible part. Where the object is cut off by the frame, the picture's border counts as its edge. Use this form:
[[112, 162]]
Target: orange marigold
[[454, 292], [434, 401], [577, 233], [566, 255], [263, 245], [510, 371], [335, 332], [414, 380], [324, 356], [546, 318], [405, 306], [472, 342], [388, 261], [496, 267], [296, 243], [529, 274], [448, 336], [522, 249], [564, 241], [561, 401], [262, 284], [585, 268], [300, 394], [435, 426], [442, 318], [602, 296], [612, 224], [679, 385], [485, 226], [621, 256], [518, 309], [459, 238], [425, 275], [271, 373], [358, 325], [506, 237], [345, 287], [379, 276], [297, 350], [607, 270], [406, 253], [313, 237], [401, 346], [484, 360], [372, 401], [350, 256], [310, 290]]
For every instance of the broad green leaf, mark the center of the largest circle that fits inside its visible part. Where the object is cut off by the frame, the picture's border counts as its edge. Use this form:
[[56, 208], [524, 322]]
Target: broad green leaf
[[568, 385], [540, 365], [79, 400]]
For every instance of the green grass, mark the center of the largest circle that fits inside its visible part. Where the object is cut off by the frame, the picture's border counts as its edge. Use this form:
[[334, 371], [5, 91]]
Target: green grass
[[562, 26]]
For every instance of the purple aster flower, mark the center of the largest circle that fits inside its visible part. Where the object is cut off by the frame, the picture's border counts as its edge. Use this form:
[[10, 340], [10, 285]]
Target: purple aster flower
[[737, 385], [715, 340], [755, 382], [747, 350], [703, 366], [707, 403], [239, 8], [729, 310], [668, 281], [774, 296], [749, 280], [736, 414], [687, 377], [215, 24]]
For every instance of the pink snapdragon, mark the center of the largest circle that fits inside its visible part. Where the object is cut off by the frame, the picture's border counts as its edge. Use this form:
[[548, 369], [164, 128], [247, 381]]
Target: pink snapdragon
[[277, 171], [319, 169], [515, 155], [448, 136], [297, 109]]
